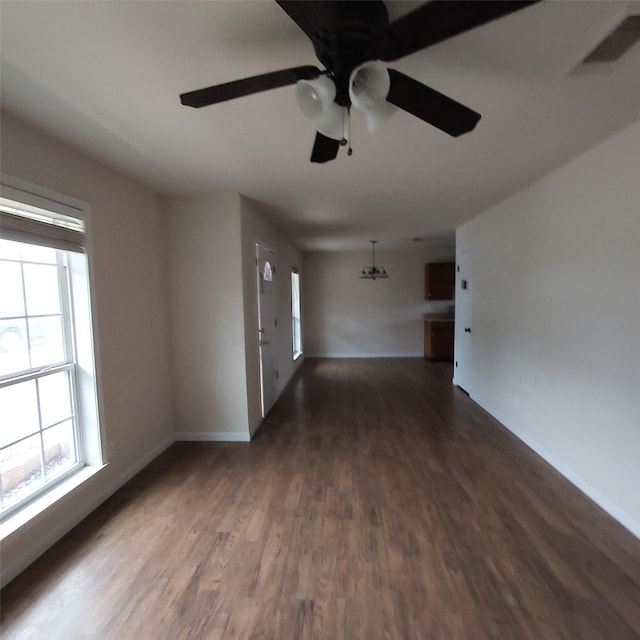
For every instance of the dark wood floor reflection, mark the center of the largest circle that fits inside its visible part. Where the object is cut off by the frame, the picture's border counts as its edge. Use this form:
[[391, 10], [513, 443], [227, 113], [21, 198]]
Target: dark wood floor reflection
[[377, 501]]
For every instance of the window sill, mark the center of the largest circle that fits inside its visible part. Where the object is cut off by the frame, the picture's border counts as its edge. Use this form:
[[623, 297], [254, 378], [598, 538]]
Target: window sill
[[40, 505]]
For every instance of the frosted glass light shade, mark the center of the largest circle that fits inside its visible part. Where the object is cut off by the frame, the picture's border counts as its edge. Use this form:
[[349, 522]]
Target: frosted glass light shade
[[369, 86], [316, 101]]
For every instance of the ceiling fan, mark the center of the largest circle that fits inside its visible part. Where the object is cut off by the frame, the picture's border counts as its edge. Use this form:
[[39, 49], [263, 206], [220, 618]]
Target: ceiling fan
[[351, 38]]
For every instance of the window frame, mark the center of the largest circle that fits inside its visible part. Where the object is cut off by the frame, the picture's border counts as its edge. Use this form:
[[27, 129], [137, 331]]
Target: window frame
[[297, 352], [39, 372], [80, 336]]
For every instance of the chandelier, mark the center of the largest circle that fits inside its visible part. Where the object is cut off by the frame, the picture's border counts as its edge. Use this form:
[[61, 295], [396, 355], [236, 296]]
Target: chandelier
[[374, 272]]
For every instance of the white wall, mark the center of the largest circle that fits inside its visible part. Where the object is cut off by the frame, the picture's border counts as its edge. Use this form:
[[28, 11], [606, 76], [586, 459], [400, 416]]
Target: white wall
[[556, 319], [257, 229], [128, 260], [216, 368], [207, 317], [169, 304], [346, 316]]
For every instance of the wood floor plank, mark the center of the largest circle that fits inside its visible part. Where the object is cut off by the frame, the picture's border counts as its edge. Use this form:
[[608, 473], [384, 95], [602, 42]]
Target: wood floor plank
[[376, 502]]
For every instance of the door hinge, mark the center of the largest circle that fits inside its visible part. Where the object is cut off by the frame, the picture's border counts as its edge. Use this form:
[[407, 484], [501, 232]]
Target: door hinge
[[277, 374], [275, 320], [456, 363]]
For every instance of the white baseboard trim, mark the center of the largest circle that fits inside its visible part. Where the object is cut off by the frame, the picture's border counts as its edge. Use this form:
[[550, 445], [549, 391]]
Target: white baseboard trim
[[11, 568], [254, 429], [365, 355], [212, 436], [601, 500], [140, 464]]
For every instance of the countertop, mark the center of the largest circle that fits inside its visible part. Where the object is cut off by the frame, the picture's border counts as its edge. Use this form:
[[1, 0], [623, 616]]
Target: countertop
[[438, 317]]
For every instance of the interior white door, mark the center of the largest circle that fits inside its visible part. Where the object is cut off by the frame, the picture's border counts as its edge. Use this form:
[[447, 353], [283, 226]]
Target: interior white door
[[463, 330], [267, 325]]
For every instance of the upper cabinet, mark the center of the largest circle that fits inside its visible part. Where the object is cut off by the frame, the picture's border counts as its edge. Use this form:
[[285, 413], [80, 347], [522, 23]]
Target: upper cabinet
[[439, 280]]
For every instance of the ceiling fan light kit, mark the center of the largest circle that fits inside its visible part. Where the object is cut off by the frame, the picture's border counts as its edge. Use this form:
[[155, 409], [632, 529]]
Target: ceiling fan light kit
[[369, 86], [316, 100], [352, 39]]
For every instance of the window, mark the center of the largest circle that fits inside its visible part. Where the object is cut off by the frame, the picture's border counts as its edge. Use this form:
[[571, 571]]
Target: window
[[268, 271], [295, 313], [48, 405]]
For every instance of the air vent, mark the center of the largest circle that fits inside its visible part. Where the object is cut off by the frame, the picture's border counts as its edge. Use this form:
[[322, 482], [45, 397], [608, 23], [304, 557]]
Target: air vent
[[617, 43]]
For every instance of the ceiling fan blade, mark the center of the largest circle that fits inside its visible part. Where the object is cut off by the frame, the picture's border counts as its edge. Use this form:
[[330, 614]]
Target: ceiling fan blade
[[311, 16], [429, 105], [247, 86], [436, 21], [324, 149]]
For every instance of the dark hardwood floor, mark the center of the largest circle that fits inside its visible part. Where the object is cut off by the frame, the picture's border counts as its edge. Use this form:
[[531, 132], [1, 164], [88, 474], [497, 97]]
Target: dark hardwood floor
[[377, 501]]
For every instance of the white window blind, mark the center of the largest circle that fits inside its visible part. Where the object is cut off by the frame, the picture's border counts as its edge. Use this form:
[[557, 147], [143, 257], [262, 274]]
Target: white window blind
[[20, 222]]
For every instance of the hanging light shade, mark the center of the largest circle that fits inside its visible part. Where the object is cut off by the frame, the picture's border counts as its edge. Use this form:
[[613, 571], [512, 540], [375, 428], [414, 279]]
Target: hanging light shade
[[369, 86], [373, 272], [316, 100]]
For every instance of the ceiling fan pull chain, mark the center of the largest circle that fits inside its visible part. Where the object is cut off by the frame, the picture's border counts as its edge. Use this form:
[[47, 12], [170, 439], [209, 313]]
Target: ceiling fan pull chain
[[347, 131]]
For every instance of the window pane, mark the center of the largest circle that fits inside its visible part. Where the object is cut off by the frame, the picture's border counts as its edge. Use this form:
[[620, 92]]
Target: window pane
[[297, 343], [55, 398], [34, 253], [59, 449], [295, 294], [47, 341], [42, 288], [11, 298], [295, 313], [268, 272], [14, 352], [18, 411], [21, 469], [10, 250]]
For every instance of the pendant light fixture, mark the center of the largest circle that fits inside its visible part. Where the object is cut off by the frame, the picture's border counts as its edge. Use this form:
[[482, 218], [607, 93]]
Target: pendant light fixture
[[374, 272]]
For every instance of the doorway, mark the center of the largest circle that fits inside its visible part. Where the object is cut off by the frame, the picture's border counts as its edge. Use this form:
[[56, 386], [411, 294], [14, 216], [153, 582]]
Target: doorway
[[462, 355], [267, 325]]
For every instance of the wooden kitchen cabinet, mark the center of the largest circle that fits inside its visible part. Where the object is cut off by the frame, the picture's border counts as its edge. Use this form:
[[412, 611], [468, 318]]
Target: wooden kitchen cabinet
[[438, 339], [439, 280]]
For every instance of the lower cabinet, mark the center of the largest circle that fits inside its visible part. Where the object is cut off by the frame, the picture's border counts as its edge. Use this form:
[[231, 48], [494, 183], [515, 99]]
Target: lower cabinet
[[438, 340]]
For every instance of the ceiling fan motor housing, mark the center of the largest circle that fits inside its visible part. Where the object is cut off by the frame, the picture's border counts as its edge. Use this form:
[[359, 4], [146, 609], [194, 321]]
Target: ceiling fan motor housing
[[344, 37]]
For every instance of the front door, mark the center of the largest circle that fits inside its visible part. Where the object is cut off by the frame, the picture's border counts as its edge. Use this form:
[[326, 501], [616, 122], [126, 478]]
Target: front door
[[463, 331], [267, 325]]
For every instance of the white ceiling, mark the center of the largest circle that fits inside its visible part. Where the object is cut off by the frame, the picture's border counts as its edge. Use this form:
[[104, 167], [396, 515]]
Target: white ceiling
[[105, 76]]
